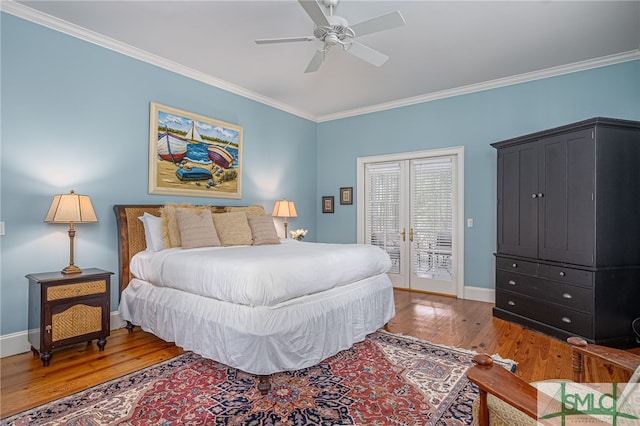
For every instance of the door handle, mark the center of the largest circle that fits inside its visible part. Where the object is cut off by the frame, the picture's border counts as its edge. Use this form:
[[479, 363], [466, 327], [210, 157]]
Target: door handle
[[411, 234], [403, 234]]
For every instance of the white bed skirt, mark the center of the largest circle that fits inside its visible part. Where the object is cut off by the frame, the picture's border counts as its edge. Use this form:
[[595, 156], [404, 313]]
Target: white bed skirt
[[262, 340]]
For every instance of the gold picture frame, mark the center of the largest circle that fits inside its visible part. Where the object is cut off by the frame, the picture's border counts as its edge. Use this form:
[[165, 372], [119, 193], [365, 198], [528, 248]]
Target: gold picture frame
[[193, 155]]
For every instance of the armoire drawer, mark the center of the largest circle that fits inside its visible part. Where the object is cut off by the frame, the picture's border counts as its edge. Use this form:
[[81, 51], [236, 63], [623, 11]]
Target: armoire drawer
[[553, 315], [566, 275], [519, 266], [566, 295]]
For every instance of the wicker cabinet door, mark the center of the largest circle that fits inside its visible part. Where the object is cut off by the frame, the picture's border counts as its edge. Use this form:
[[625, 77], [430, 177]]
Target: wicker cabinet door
[[75, 321]]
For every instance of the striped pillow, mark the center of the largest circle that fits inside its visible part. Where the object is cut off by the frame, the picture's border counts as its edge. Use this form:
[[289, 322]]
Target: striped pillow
[[196, 228], [263, 231], [233, 229]]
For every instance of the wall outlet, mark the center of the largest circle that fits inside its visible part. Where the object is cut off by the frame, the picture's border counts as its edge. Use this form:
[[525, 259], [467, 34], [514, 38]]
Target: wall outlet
[[470, 223]]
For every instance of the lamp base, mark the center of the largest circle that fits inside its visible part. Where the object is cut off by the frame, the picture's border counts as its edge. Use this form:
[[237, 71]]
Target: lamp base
[[71, 269]]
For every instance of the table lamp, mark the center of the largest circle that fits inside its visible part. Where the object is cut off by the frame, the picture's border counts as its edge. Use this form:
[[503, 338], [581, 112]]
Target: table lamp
[[285, 209], [71, 208]]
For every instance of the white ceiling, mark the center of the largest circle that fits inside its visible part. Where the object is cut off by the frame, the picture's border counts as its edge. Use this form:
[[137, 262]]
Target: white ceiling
[[445, 48]]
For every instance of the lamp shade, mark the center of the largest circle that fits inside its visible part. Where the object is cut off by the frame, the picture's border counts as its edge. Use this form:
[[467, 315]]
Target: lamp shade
[[71, 208], [284, 208]]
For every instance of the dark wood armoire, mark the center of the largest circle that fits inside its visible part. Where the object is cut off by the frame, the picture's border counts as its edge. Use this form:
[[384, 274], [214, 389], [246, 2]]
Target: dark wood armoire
[[568, 243]]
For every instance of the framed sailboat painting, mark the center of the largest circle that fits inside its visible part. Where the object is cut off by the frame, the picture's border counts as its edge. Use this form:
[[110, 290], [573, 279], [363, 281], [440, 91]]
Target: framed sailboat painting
[[193, 155]]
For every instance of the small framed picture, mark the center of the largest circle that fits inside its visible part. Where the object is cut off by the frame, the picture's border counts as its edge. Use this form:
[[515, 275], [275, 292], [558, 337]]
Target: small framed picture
[[327, 204], [346, 195]]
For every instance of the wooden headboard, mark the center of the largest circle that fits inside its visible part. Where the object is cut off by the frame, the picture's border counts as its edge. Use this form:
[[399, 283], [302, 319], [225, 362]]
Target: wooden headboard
[[131, 234]]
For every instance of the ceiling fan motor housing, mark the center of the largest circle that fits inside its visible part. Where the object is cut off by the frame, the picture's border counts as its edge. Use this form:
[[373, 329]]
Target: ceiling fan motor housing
[[339, 30]]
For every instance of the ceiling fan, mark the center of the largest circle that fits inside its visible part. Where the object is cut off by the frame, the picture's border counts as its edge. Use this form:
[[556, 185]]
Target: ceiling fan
[[335, 30]]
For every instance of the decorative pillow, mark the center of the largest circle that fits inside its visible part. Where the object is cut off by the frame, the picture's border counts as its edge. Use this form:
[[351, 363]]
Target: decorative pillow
[[233, 229], [255, 210], [263, 230], [196, 228], [170, 231], [152, 231]]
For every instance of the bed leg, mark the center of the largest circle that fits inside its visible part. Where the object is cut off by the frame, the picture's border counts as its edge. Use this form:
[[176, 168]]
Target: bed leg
[[265, 384], [129, 327], [386, 327]]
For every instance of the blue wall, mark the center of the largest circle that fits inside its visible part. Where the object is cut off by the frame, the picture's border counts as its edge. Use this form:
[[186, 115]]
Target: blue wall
[[473, 121], [75, 116]]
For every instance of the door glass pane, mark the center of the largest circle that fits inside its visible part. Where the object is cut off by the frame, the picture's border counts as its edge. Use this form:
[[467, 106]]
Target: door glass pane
[[382, 226], [432, 217]]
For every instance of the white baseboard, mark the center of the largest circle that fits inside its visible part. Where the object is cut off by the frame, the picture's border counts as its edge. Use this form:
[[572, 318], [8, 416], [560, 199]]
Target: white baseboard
[[117, 321], [17, 343], [480, 294]]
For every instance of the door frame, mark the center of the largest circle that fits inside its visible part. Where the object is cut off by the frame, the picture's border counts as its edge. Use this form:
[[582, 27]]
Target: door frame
[[457, 152]]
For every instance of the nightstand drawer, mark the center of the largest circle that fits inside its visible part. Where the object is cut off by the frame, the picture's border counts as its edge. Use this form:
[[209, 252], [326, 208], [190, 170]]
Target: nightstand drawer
[[76, 290]]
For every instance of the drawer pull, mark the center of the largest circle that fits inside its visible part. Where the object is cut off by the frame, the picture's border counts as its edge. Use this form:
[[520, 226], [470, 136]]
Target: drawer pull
[[566, 319], [562, 274], [567, 296], [511, 303], [515, 265], [512, 282]]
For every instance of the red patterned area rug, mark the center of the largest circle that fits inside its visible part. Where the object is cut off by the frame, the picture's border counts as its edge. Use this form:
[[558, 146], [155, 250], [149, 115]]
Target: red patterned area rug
[[386, 380]]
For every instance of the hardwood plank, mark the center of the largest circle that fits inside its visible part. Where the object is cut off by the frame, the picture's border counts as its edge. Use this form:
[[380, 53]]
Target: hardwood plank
[[25, 383], [466, 324]]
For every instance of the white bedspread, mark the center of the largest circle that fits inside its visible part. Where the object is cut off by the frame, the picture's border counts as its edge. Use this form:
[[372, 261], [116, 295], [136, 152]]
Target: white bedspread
[[261, 275]]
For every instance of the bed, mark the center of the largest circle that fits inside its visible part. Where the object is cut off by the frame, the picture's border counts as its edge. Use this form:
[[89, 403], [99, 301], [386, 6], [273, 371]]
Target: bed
[[271, 308]]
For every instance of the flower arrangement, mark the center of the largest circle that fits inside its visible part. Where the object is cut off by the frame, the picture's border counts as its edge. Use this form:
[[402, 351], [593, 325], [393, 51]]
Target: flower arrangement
[[299, 234]]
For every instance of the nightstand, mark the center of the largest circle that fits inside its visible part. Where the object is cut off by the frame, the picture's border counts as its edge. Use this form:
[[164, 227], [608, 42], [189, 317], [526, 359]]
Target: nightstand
[[68, 309]]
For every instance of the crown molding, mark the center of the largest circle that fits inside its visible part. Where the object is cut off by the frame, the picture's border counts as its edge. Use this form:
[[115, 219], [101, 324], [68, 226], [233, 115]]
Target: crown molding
[[27, 13], [40, 18], [492, 84]]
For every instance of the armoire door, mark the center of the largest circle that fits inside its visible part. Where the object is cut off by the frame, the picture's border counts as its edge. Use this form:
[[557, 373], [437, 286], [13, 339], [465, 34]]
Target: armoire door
[[567, 198], [518, 200]]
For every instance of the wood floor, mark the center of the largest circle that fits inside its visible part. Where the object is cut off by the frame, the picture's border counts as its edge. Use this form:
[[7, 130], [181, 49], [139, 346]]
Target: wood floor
[[24, 383]]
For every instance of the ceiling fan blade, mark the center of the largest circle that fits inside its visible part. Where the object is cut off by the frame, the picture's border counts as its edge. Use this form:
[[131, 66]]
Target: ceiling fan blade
[[283, 40], [367, 54], [381, 23], [316, 61], [314, 10]]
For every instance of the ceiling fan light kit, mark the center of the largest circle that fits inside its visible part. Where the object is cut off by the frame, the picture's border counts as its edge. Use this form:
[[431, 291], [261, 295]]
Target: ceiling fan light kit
[[332, 30]]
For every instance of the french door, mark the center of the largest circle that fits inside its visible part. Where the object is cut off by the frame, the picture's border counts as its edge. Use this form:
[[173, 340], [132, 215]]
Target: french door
[[410, 205]]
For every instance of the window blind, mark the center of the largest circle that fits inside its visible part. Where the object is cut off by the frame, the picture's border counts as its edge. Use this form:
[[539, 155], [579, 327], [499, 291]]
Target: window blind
[[382, 222], [432, 217]]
